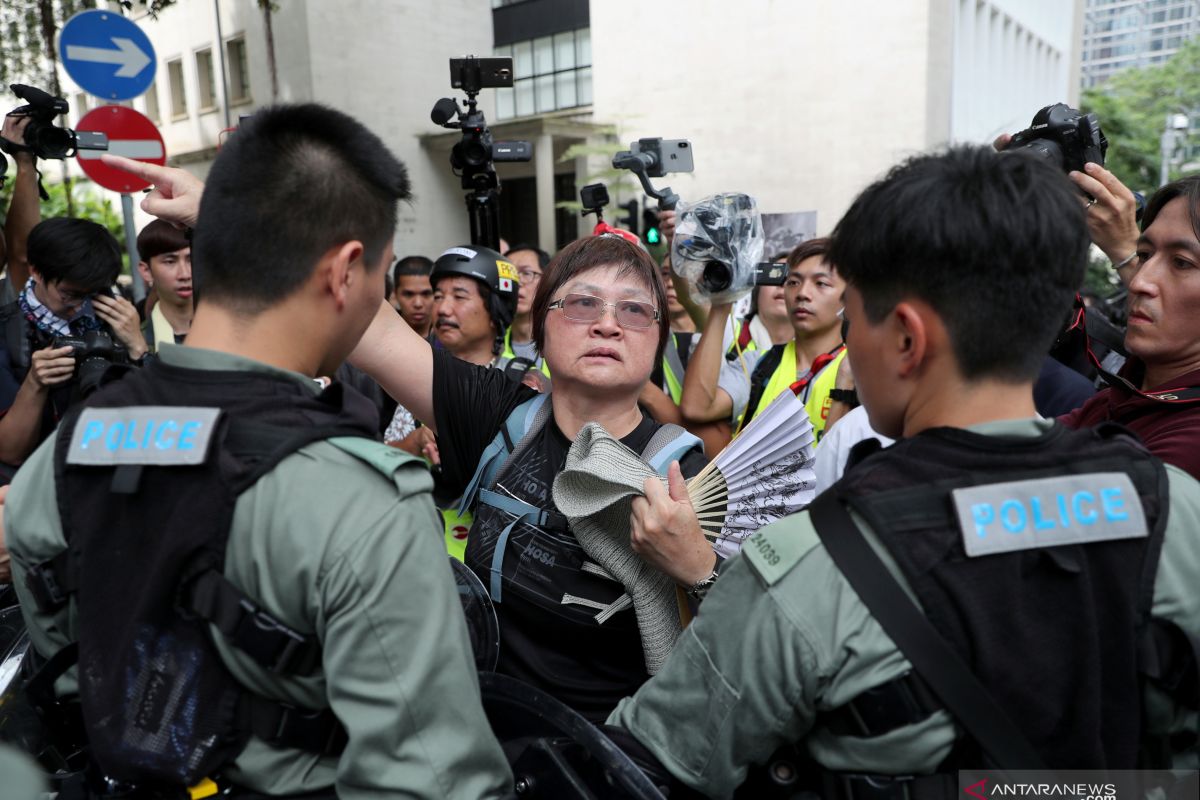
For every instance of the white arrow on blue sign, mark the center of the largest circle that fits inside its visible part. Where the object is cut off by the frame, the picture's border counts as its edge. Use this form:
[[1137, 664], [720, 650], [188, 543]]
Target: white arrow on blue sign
[[107, 55]]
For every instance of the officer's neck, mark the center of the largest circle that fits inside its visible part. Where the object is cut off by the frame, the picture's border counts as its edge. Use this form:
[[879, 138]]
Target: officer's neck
[[278, 336], [952, 402]]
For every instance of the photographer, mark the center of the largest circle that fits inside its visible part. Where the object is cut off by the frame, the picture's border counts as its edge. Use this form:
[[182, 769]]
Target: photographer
[[73, 263], [716, 389]]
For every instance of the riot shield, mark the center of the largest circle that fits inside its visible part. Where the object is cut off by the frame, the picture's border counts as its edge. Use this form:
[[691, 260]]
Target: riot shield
[[477, 607], [555, 752]]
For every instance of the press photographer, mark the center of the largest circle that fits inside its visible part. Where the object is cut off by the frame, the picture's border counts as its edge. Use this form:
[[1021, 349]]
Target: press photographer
[[63, 329]]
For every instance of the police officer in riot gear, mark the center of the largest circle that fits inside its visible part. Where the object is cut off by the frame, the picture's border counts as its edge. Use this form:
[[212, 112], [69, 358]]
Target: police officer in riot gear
[[1055, 568], [256, 592]]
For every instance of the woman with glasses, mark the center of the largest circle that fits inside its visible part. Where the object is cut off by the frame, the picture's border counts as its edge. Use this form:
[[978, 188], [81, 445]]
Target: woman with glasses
[[599, 322]]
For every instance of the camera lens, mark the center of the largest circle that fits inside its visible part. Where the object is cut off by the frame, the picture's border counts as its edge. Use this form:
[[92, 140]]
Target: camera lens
[[716, 277], [52, 142], [1047, 149]]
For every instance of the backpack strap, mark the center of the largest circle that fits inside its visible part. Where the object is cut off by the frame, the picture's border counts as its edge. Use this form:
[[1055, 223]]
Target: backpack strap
[[530, 415], [932, 657], [669, 443]]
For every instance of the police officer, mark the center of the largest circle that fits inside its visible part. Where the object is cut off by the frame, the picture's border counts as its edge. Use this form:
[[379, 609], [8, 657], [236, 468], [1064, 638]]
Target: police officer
[[259, 593], [1048, 562]]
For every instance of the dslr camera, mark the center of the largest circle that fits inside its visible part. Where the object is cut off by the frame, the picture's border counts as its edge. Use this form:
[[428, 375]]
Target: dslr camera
[[1064, 136], [93, 352], [42, 137]]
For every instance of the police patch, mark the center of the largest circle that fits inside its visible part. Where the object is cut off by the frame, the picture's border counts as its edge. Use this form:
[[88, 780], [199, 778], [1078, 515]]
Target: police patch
[[1071, 509], [158, 435]]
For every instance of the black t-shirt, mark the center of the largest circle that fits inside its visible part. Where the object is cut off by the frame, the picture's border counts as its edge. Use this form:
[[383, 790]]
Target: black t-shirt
[[555, 646]]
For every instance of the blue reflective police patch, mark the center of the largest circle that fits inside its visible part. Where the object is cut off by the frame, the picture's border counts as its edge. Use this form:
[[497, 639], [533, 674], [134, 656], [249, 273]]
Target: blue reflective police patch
[[1071, 509], [159, 435]]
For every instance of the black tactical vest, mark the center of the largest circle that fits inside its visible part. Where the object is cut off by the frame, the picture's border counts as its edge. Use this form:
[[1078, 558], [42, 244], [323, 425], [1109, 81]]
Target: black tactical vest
[[1052, 632], [147, 547]]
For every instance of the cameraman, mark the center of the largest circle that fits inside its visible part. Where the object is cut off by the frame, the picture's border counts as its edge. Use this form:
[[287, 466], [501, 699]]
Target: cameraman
[[72, 265]]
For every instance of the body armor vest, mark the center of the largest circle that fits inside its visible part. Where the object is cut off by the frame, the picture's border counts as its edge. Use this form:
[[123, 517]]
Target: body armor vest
[[147, 547], [1051, 632]]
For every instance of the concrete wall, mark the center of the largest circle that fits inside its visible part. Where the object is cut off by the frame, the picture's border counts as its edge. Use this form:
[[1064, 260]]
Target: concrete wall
[[798, 103]]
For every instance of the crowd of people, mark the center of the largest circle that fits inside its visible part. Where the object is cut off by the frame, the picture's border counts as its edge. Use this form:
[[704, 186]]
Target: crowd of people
[[231, 528]]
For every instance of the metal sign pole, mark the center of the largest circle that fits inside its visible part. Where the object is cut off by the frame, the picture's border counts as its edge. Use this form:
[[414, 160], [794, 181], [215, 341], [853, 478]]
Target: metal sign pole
[[139, 288]]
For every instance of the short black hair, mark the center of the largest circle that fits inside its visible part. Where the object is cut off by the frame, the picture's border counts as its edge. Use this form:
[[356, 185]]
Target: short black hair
[[291, 183], [76, 250], [543, 256], [160, 237], [412, 265], [1189, 189], [996, 243]]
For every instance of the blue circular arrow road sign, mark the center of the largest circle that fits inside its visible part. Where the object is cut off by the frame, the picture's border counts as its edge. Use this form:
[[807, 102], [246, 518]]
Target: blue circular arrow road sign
[[107, 55]]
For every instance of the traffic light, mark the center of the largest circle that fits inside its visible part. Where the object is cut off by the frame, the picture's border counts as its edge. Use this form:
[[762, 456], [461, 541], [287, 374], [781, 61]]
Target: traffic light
[[650, 224], [630, 221]]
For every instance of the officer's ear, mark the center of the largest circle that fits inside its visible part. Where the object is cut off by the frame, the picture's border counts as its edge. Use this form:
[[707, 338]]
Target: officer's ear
[[909, 333], [342, 269]]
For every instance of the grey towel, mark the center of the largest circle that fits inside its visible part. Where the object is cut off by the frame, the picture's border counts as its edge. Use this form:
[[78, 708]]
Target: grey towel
[[595, 491]]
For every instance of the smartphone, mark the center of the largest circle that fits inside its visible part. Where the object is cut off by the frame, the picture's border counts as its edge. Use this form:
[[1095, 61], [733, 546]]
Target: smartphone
[[670, 155]]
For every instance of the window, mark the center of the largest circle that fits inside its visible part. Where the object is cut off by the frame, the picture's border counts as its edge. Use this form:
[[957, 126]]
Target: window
[[239, 72], [179, 107], [550, 73], [204, 77], [152, 103]]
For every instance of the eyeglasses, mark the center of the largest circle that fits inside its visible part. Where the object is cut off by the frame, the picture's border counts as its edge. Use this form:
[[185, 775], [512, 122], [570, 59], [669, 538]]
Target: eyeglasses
[[585, 308], [528, 275], [70, 295]]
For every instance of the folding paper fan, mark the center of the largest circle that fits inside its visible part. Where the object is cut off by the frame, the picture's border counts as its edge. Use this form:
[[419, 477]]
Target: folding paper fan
[[763, 475]]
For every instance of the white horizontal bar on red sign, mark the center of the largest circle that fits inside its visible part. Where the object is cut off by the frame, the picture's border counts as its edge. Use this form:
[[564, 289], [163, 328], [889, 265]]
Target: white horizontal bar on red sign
[[130, 148]]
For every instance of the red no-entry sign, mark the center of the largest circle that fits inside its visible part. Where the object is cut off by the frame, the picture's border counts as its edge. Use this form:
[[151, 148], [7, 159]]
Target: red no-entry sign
[[130, 134]]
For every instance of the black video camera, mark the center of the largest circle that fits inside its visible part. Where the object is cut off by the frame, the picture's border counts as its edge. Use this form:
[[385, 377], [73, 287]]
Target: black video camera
[[1064, 136], [94, 353], [42, 137], [474, 155]]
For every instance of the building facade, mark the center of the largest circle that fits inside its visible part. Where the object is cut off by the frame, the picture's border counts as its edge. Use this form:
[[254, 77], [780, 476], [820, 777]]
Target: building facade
[[800, 103], [1134, 33]]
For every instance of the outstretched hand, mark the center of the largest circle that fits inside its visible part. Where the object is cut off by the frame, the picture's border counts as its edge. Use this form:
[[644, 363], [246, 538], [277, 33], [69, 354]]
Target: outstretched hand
[[175, 194], [665, 532]]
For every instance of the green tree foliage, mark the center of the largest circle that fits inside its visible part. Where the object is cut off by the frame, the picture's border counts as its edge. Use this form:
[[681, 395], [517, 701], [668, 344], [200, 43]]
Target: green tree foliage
[[1133, 106]]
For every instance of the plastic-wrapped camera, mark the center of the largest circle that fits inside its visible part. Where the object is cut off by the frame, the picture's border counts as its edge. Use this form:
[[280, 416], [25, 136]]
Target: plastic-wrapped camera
[[718, 245]]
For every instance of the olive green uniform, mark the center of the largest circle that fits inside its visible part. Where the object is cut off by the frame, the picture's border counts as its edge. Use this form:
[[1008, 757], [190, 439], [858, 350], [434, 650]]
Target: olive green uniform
[[341, 539], [783, 637]]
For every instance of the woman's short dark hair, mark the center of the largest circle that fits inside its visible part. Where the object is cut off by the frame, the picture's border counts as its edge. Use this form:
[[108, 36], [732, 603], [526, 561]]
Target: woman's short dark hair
[[76, 250], [593, 252]]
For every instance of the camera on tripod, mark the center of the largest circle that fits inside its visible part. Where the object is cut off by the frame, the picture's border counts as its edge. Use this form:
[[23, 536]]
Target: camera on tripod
[[42, 137], [474, 156]]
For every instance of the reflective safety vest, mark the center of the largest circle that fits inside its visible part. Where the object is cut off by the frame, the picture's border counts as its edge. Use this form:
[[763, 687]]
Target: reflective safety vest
[[674, 365], [508, 354], [457, 524], [820, 380]]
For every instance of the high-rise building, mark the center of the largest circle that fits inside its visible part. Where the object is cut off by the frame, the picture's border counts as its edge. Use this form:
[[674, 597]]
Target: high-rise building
[[1133, 33]]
